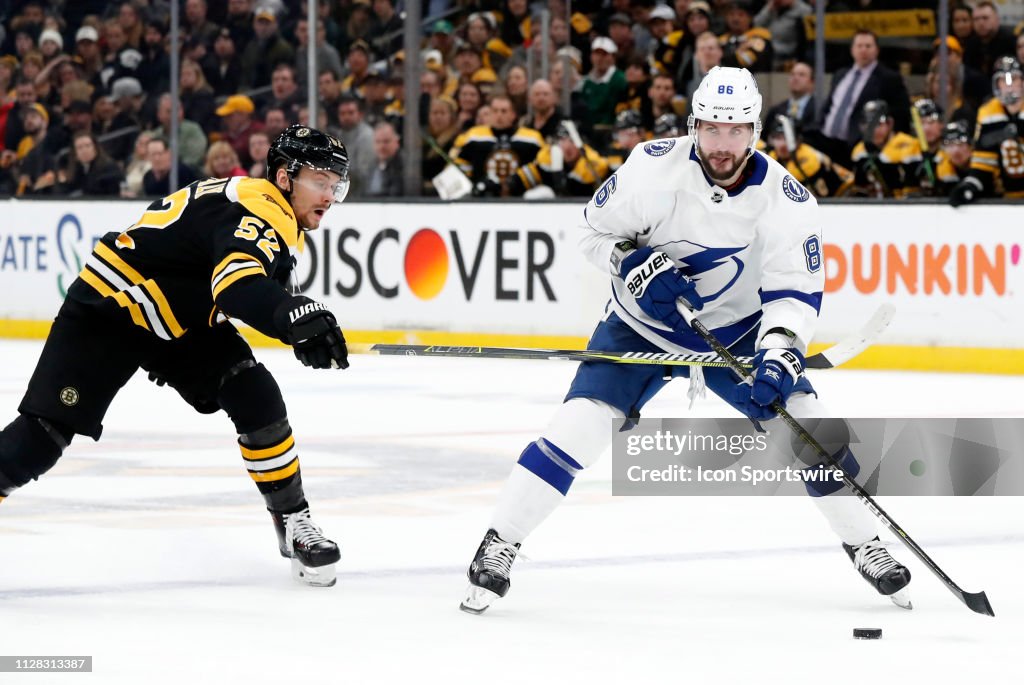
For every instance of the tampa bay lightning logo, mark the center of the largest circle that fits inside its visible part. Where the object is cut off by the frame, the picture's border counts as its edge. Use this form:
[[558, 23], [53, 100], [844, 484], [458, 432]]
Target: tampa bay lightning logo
[[710, 266], [793, 190], [605, 191], [657, 148]]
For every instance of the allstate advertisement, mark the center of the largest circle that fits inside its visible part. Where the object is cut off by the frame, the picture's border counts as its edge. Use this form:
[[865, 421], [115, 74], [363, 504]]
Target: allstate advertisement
[[955, 276]]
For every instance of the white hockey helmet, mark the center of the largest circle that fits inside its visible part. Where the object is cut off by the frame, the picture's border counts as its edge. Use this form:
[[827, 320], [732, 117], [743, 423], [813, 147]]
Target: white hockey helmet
[[727, 95]]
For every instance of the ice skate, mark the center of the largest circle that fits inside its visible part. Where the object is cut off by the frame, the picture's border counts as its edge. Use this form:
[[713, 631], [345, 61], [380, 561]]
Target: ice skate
[[884, 573], [313, 555], [489, 573]]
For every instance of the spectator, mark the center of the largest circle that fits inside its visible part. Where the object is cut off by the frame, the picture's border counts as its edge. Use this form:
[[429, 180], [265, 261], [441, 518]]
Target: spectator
[[430, 84], [155, 68], [515, 23], [51, 45], [196, 24], [89, 170], [467, 62], [284, 90], [1020, 47], [376, 98], [480, 34], [87, 49], [238, 124], [302, 116], [852, 88], [191, 138], [222, 162], [661, 25], [386, 175], [265, 51], [620, 30], [103, 113], [275, 121], [77, 119], [546, 116], [386, 36], [358, 26], [707, 54], [24, 98], [329, 90], [661, 100], [990, 41], [327, 56], [128, 98], [961, 23], [223, 69], [442, 128], [604, 86], [197, 96], [259, 146], [800, 105], [239, 22], [638, 87], [157, 181], [37, 165], [138, 165], [358, 62], [130, 19], [443, 40], [975, 87], [121, 59], [744, 45], [959, 108], [517, 85], [491, 154], [469, 99], [784, 20], [886, 162], [357, 136], [25, 41]]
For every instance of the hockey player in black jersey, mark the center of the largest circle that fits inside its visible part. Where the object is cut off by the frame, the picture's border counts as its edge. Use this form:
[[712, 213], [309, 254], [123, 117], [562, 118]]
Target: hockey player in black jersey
[[159, 296]]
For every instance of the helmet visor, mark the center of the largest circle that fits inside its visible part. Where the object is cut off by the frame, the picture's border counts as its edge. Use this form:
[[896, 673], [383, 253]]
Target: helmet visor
[[320, 184]]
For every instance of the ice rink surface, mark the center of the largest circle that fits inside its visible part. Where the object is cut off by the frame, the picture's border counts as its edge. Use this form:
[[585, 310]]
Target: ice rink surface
[[151, 550]]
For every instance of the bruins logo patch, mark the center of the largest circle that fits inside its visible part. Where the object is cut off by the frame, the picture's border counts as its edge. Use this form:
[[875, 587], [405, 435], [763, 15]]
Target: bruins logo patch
[[69, 396]]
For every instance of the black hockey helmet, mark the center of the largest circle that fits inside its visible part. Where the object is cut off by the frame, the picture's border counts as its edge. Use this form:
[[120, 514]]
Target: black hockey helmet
[[956, 132], [627, 119], [1004, 71], [668, 125], [875, 112], [927, 109], [300, 146], [778, 125]]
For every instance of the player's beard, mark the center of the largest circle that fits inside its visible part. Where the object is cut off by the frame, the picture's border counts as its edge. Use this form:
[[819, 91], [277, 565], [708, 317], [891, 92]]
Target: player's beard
[[717, 172]]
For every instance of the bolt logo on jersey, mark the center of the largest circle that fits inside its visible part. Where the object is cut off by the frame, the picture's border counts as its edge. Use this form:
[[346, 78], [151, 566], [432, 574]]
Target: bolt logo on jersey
[[793, 190], [605, 191], [657, 148], [715, 263]]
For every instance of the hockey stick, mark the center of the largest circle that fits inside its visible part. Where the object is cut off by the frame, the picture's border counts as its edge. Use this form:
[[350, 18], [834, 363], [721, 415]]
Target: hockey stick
[[840, 353], [975, 601]]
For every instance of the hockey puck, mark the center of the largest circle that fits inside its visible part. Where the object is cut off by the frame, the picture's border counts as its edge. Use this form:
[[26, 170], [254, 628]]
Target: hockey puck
[[867, 633]]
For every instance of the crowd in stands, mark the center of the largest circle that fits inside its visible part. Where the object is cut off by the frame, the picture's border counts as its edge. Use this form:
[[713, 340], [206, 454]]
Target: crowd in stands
[[85, 108]]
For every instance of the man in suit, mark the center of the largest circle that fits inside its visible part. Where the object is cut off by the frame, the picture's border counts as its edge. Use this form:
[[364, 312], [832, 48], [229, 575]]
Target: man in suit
[[854, 86], [799, 106]]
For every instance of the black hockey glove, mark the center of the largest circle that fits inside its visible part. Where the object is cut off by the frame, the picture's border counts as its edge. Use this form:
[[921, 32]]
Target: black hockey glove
[[965, 192], [313, 333]]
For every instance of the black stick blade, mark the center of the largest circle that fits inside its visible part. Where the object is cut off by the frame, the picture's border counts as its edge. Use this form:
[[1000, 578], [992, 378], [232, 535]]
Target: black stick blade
[[978, 602]]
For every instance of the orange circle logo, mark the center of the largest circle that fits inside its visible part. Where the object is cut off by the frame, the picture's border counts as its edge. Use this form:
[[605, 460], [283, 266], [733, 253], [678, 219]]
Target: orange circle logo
[[426, 264]]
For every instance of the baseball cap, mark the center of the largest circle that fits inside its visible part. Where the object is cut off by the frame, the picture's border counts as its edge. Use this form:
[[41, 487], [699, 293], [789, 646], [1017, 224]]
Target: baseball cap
[[39, 109], [236, 103], [662, 12], [87, 33], [604, 43], [443, 26], [266, 13], [951, 43], [125, 87]]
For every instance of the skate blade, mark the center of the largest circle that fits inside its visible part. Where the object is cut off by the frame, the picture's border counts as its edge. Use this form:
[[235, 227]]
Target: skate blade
[[901, 598], [477, 599], [319, 576]]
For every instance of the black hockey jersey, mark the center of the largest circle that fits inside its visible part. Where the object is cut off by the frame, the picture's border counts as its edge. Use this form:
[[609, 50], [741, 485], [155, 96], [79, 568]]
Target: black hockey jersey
[[181, 265], [494, 156], [998, 159]]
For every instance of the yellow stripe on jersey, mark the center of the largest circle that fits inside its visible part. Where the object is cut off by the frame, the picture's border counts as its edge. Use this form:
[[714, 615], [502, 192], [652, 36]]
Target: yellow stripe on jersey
[[268, 452], [111, 258], [236, 276], [165, 308], [121, 298]]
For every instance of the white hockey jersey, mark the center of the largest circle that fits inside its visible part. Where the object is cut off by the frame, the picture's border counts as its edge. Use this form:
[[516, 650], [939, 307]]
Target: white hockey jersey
[[755, 251]]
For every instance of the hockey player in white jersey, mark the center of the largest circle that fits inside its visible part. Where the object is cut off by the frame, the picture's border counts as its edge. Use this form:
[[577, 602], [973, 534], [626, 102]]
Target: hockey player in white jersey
[[706, 221]]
